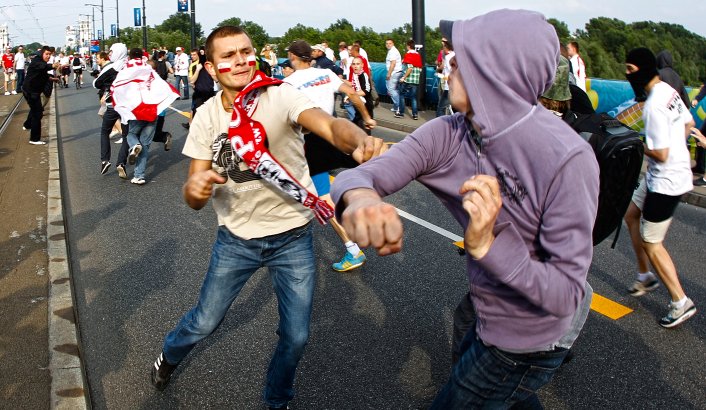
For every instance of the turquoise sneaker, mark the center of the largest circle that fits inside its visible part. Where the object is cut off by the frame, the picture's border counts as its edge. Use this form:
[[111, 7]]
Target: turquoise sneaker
[[349, 262]]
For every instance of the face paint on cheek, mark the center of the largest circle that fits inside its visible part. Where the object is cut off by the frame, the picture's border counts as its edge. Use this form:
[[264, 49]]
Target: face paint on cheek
[[224, 67], [251, 60]]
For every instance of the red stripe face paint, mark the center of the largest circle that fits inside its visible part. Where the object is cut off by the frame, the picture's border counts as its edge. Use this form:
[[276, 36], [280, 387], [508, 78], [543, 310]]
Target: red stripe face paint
[[251, 60], [224, 67]]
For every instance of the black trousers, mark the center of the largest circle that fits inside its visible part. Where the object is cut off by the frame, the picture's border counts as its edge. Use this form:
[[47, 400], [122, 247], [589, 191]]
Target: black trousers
[[34, 117], [109, 118]]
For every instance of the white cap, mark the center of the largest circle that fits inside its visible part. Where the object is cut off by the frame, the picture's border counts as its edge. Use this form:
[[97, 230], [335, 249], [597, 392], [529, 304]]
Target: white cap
[[179, 49], [319, 47]]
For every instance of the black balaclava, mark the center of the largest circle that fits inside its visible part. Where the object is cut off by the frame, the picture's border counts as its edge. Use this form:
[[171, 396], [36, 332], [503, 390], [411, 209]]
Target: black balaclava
[[647, 63]]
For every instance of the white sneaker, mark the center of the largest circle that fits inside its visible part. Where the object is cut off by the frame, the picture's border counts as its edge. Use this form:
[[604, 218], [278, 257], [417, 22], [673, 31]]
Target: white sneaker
[[40, 142], [119, 141], [7, 93], [13, 92], [138, 181], [676, 315]]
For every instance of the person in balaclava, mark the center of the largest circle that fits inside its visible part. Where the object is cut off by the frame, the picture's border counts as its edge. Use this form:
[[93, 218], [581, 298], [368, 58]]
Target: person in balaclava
[[667, 124], [524, 188]]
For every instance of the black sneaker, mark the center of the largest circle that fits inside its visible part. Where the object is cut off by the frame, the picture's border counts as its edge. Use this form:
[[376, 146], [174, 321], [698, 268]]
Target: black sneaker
[[104, 166], [134, 152], [398, 115], [161, 372], [415, 117], [699, 182], [168, 142]]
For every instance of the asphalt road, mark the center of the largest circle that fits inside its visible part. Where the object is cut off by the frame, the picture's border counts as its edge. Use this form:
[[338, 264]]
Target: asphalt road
[[380, 336]]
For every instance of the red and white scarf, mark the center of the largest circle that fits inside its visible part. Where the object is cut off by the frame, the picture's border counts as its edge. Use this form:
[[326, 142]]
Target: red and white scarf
[[248, 140]]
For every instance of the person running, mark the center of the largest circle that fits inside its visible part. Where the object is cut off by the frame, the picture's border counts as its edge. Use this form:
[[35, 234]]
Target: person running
[[667, 125], [133, 86], [103, 82], [247, 156], [499, 165], [35, 84], [321, 86], [64, 69]]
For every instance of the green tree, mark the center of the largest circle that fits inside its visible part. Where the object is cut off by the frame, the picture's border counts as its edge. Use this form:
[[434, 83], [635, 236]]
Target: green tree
[[257, 33], [180, 22], [562, 30]]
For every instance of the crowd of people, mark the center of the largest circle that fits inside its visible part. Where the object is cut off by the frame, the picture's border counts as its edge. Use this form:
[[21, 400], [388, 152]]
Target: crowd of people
[[261, 150]]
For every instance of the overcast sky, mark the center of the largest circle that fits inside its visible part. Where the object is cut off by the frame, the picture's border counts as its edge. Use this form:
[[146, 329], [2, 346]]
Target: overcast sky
[[45, 20]]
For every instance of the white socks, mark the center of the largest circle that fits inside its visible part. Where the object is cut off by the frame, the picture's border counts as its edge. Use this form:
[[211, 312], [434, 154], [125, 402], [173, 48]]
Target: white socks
[[352, 248], [680, 303], [644, 276]]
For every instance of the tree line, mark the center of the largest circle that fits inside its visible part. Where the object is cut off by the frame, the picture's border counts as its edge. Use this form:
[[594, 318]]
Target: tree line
[[603, 42]]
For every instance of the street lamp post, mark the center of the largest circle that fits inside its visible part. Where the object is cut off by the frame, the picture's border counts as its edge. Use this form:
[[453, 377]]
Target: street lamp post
[[100, 6], [193, 24], [117, 21], [144, 27]]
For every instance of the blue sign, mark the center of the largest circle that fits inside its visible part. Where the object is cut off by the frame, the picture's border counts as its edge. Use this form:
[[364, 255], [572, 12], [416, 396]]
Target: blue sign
[[100, 34], [182, 5], [113, 30], [138, 17]]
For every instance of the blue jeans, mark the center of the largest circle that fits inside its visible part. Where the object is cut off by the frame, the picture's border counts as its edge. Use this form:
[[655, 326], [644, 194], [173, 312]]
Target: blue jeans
[[20, 80], [141, 132], [184, 79], [408, 91], [487, 377], [289, 257], [350, 109], [443, 103], [393, 89]]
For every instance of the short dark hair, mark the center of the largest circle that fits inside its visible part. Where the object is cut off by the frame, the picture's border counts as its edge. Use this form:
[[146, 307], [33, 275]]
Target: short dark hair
[[135, 53], [103, 55], [411, 44], [575, 45], [220, 32]]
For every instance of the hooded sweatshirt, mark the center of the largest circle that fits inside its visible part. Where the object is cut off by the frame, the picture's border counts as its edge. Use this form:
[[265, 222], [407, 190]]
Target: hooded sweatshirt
[[528, 286], [670, 76]]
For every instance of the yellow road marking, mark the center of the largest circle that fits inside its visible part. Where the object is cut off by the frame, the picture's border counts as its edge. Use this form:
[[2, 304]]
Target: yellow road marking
[[607, 307], [184, 113]]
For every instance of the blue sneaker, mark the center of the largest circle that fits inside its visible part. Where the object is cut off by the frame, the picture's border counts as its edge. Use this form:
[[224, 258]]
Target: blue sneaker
[[349, 262]]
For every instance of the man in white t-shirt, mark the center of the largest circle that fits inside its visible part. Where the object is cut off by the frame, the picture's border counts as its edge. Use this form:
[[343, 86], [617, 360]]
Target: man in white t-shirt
[[344, 57], [578, 67], [181, 71], [320, 85], [444, 105], [20, 62], [393, 64], [668, 177], [261, 224]]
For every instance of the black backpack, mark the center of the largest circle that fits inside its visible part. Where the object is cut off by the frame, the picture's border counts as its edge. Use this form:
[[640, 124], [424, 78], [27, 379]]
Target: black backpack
[[619, 151], [161, 69]]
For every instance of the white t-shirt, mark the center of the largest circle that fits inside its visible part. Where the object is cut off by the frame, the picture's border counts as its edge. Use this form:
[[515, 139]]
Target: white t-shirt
[[579, 70], [329, 54], [393, 55], [247, 205], [665, 116], [20, 61], [64, 61], [363, 53], [446, 72], [181, 64], [318, 84], [345, 58]]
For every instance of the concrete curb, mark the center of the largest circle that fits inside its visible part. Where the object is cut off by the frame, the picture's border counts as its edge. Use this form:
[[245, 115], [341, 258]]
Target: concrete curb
[[68, 388]]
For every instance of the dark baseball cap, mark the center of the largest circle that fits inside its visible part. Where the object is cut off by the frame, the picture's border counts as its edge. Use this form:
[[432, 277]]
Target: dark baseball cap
[[301, 49], [446, 28], [285, 64]]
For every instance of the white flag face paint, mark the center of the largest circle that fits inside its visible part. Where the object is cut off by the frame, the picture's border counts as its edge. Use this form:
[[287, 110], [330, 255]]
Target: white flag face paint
[[251, 60], [224, 67]]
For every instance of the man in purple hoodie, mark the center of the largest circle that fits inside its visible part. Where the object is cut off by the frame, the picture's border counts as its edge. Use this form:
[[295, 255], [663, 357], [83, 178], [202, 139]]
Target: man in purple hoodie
[[524, 187]]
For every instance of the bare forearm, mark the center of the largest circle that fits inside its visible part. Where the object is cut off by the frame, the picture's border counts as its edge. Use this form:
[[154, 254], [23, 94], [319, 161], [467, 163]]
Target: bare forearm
[[346, 136]]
